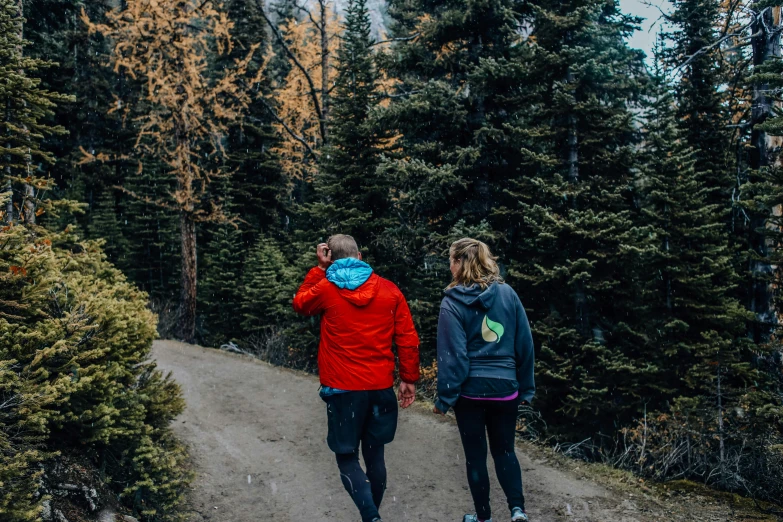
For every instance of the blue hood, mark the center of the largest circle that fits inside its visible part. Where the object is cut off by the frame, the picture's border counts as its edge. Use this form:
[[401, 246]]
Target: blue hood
[[474, 296], [349, 273]]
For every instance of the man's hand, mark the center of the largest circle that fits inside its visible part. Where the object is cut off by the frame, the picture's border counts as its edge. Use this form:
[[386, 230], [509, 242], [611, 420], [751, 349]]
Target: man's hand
[[324, 256], [407, 394], [436, 411]]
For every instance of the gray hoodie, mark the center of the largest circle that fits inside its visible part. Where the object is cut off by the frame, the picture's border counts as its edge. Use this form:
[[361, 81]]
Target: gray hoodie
[[485, 348]]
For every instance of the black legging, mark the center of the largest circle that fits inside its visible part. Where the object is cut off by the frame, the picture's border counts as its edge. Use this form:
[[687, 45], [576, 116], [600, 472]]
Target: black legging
[[366, 489], [499, 419]]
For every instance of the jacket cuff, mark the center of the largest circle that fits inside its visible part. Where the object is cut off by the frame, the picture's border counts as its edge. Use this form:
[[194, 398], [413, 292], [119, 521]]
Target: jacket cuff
[[442, 406]]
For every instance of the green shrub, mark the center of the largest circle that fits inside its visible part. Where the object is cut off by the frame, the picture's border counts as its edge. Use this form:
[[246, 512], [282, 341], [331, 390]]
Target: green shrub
[[75, 339]]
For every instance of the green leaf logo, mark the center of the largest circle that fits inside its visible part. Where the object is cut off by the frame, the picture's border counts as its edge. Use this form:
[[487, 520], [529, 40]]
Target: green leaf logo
[[491, 331]]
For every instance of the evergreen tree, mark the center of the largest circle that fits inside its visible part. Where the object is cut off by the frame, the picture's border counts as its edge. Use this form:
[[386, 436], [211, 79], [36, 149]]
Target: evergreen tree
[[258, 187], [568, 212], [701, 113], [153, 247], [455, 95], [219, 294], [694, 323], [104, 224], [96, 122], [354, 197], [25, 107], [267, 288]]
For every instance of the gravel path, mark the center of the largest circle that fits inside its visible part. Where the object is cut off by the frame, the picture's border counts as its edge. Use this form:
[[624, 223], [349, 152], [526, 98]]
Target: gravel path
[[257, 436]]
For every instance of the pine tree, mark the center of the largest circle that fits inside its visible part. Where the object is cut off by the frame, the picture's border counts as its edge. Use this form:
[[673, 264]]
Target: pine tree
[[567, 213], [454, 68], [701, 111], [153, 247], [258, 188], [267, 288], [694, 322], [354, 198], [25, 107], [104, 224], [96, 122], [220, 297]]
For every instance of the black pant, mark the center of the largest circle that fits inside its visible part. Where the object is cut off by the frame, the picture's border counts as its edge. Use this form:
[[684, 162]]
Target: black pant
[[369, 419], [476, 419], [366, 489]]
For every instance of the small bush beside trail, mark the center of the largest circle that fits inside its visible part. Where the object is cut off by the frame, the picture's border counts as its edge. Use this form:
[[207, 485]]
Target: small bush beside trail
[[75, 376]]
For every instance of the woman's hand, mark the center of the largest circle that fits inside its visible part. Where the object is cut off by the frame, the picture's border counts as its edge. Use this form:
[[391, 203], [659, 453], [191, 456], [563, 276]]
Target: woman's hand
[[436, 411]]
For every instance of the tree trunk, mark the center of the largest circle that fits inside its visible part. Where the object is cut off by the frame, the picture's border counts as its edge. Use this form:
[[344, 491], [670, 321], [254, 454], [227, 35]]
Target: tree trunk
[[573, 141], [28, 203], [9, 205], [572, 159], [187, 303], [28, 207], [9, 186], [721, 439], [324, 70], [766, 46]]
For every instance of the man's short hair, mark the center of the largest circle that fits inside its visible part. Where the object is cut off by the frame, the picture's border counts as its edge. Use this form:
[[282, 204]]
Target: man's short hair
[[342, 246]]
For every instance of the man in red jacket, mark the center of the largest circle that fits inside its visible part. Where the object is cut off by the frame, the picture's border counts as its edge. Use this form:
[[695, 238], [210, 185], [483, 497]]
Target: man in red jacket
[[362, 315]]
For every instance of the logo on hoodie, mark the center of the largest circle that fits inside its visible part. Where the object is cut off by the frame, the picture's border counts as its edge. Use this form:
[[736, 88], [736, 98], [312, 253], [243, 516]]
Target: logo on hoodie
[[491, 331]]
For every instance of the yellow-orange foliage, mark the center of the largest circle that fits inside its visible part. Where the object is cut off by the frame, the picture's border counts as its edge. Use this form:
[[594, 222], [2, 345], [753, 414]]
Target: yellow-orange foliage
[[294, 97], [169, 45]]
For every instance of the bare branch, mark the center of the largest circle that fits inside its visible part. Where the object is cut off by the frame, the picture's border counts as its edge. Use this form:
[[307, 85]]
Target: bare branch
[[310, 16], [298, 64], [288, 129], [146, 199], [738, 33], [385, 95], [403, 39]]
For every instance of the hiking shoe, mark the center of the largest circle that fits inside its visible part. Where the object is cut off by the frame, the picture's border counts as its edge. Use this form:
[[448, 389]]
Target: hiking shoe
[[473, 518], [517, 515], [377, 519]]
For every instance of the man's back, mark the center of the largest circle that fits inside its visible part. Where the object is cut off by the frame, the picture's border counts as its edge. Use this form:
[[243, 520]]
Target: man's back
[[358, 327]]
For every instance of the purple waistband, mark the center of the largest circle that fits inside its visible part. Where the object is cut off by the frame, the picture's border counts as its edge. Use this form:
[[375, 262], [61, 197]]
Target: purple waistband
[[509, 398]]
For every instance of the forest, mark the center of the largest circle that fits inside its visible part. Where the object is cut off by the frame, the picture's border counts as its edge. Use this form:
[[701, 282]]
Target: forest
[[168, 167]]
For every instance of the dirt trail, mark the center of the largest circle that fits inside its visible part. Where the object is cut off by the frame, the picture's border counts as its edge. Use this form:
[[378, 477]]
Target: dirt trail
[[257, 435]]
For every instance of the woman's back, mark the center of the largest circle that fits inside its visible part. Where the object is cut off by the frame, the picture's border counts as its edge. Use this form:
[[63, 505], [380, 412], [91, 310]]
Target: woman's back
[[485, 348]]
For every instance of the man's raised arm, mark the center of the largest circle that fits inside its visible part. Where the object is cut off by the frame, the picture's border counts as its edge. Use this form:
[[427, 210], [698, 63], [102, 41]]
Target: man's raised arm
[[307, 300]]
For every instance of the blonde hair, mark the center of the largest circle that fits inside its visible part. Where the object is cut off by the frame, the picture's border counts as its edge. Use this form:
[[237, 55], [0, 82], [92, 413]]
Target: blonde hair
[[342, 246], [478, 266]]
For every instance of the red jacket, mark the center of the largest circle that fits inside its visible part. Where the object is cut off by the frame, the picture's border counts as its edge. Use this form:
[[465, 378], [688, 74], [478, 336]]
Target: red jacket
[[357, 331]]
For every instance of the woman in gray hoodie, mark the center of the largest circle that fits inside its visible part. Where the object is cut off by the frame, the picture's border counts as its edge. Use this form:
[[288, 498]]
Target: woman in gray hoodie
[[485, 370]]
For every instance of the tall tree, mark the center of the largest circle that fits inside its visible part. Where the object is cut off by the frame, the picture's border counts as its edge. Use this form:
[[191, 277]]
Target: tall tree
[[453, 96], [25, 107], [170, 47], [302, 104], [568, 211], [258, 187], [693, 51], [58, 34], [764, 154], [353, 197]]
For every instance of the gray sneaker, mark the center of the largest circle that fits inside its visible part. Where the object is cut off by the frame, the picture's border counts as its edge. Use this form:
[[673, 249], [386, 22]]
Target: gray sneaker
[[473, 518], [517, 515]]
